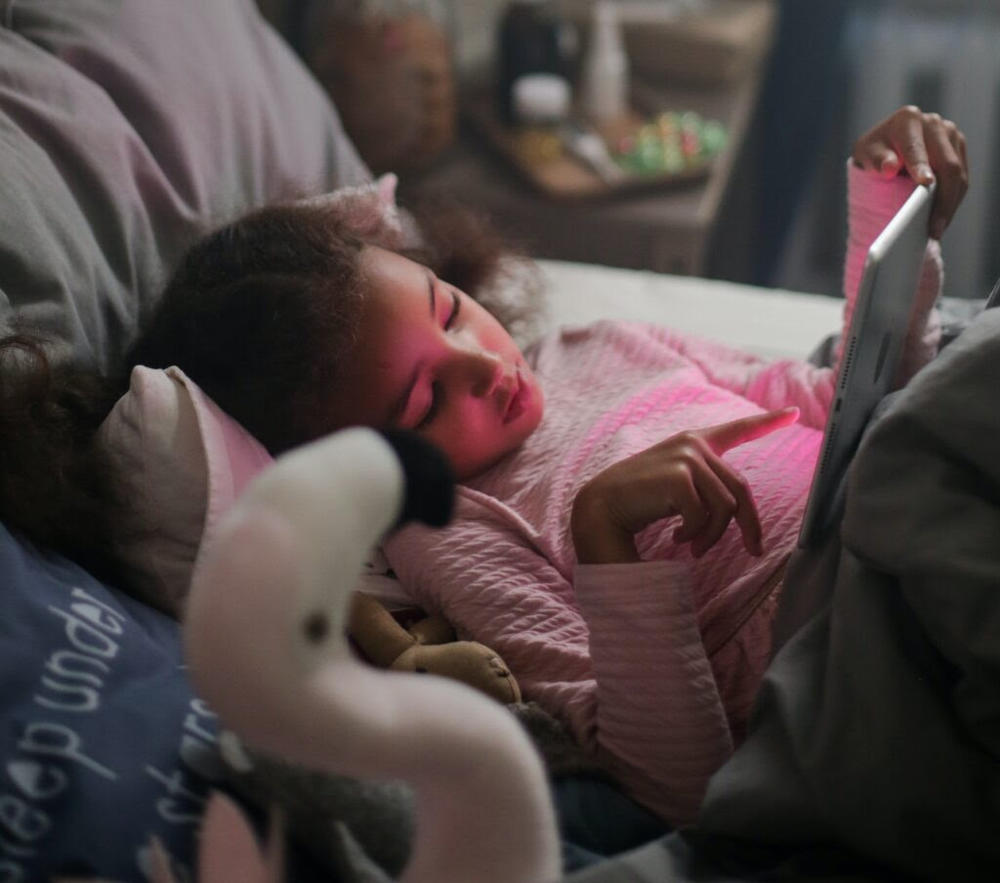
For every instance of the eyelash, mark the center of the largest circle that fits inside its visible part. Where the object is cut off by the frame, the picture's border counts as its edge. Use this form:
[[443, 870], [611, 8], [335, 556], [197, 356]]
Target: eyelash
[[456, 306], [433, 409], [436, 391]]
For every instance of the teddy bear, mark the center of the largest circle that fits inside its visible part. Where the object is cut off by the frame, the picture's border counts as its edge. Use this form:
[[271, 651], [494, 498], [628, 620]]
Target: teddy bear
[[427, 646]]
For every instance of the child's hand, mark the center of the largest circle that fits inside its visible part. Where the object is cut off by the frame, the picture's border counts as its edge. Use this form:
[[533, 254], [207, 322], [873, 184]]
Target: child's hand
[[926, 147], [684, 475]]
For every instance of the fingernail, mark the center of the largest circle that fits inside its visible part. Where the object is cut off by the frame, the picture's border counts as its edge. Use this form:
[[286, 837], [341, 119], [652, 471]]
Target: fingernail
[[924, 174]]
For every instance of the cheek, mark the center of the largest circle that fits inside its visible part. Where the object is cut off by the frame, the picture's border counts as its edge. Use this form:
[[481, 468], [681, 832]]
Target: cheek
[[536, 419], [525, 427], [492, 335], [469, 443], [536, 407]]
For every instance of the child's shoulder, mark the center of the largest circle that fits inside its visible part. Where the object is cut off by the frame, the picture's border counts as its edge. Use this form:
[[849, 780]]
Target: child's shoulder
[[608, 333]]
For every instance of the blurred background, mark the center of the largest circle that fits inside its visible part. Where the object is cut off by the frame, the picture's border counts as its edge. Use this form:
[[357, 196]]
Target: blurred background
[[790, 83]]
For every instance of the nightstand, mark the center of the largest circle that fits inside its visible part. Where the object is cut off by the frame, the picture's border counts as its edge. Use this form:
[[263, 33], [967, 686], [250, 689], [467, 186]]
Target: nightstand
[[666, 229]]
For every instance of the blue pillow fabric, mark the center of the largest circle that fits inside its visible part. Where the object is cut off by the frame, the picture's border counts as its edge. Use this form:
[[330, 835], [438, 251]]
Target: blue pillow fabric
[[103, 741]]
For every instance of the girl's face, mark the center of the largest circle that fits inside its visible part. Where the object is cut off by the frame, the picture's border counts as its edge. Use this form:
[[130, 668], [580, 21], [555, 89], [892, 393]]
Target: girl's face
[[432, 360]]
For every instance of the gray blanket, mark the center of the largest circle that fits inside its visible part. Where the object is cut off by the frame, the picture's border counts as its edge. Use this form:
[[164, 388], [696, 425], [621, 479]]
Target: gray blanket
[[875, 747]]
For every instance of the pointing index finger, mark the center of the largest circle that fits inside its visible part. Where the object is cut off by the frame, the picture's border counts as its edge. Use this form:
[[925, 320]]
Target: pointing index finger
[[724, 436]]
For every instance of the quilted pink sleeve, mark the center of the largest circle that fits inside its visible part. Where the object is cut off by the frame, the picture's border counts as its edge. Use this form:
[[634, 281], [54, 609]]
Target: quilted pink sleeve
[[769, 384], [871, 203], [616, 653], [487, 580], [661, 727]]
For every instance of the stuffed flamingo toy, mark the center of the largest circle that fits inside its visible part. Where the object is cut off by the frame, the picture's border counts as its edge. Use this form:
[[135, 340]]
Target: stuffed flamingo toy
[[265, 642]]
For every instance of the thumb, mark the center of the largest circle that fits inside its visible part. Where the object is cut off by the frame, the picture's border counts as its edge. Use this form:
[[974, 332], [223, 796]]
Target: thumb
[[724, 436], [889, 164]]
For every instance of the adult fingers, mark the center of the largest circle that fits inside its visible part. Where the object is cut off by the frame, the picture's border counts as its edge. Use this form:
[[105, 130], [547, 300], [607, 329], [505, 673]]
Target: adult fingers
[[723, 436]]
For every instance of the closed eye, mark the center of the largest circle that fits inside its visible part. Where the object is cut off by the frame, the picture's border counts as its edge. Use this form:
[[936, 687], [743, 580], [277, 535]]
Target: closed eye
[[437, 394], [456, 306]]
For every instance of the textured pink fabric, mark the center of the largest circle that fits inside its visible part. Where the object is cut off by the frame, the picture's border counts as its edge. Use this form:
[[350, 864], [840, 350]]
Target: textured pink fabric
[[653, 665]]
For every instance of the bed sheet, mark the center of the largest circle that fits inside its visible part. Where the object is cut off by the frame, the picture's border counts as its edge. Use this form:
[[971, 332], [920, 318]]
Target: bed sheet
[[770, 322]]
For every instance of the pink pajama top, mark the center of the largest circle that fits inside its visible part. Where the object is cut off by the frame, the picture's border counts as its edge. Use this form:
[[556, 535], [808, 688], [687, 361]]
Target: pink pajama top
[[652, 665]]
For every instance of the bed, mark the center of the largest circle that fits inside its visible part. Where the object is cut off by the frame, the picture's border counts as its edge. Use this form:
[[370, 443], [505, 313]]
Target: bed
[[770, 322], [127, 127]]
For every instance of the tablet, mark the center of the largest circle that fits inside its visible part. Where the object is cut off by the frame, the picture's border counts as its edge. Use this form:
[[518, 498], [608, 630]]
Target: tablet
[[871, 353], [994, 299]]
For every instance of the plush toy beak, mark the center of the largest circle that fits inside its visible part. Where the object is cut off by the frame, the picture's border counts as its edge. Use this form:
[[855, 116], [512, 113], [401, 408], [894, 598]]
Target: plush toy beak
[[430, 482]]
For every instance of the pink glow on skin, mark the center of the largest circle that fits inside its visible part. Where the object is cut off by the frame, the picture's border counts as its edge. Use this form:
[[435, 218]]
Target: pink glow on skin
[[433, 360]]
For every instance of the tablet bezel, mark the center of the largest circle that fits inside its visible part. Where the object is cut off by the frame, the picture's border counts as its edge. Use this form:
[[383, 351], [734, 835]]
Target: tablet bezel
[[871, 352]]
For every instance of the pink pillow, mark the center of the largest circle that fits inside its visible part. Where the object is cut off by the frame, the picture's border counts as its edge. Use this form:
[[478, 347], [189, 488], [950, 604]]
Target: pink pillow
[[181, 462]]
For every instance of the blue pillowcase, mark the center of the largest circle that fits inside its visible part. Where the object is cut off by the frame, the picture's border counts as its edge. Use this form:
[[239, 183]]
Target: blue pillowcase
[[103, 742]]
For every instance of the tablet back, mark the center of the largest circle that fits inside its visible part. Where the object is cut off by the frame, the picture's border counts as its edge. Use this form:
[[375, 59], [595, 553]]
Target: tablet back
[[871, 353]]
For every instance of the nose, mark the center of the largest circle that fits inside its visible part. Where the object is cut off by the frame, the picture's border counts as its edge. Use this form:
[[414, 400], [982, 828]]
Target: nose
[[479, 370]]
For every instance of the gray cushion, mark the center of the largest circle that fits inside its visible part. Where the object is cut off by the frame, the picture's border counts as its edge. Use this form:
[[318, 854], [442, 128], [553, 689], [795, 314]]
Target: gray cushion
[[127, 127]]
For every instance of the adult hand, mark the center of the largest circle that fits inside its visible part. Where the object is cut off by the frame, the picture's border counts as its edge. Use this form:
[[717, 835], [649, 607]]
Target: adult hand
[[926, 147], [684, 475]]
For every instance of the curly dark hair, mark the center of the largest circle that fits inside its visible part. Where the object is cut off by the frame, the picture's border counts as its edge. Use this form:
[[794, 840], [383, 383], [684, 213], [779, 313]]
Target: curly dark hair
[[262, 313], [55, 481]]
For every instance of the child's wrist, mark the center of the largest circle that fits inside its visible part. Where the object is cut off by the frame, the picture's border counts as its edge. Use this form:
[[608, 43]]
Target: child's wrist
[[597, 539]]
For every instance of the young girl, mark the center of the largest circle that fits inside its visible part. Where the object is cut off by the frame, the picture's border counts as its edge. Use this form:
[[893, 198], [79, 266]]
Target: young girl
[[602, 544], [621, 566]]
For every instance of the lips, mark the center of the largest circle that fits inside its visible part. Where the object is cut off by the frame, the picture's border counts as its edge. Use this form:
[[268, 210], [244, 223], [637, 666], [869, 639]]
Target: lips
[[518, 400]]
